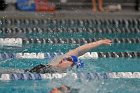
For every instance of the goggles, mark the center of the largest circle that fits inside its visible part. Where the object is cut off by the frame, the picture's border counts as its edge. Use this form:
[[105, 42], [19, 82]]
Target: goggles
[[75, 60]]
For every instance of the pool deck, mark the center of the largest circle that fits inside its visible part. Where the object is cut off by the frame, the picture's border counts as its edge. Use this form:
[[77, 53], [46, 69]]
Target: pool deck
[[11, 12]]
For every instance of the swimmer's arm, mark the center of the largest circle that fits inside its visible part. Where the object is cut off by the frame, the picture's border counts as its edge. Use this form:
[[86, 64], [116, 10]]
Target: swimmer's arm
[[85, 48]]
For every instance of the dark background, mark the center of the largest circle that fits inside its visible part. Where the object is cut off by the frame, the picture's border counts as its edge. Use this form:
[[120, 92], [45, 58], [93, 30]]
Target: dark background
[[129, 4]]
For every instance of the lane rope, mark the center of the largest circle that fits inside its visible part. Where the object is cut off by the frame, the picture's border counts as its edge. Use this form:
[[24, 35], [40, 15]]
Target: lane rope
[[29, 30], [72, 22], [20, 41], [91, 76], [88, 55]]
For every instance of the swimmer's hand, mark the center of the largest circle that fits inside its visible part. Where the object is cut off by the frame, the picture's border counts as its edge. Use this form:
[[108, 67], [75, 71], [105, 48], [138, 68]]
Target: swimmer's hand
[[105, 42]]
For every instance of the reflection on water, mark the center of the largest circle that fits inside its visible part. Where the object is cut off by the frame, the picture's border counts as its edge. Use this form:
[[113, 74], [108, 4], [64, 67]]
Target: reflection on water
[[84, 85], [99, 86]]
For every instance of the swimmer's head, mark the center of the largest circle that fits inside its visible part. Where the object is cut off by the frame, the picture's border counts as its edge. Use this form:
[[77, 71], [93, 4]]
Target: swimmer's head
[[67, 61], [71, 61], [55, 90], [64, 89], [60, 61]]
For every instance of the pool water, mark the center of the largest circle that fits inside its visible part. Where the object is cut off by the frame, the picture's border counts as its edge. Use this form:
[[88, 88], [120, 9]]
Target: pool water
[[89, 86], [91, 65]]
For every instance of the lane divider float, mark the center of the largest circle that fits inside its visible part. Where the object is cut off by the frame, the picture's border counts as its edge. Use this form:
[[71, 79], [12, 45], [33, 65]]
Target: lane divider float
[[29, 30], [87, 55], [91, 76], [72, 22], [20, 41], [11, 42]]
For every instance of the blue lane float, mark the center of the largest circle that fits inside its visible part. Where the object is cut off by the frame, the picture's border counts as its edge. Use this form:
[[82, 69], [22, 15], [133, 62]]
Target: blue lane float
[[89, 76]]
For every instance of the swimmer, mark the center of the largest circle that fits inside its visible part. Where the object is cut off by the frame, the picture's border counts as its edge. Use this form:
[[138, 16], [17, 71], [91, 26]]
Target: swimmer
[[68, 60], [64, 89]]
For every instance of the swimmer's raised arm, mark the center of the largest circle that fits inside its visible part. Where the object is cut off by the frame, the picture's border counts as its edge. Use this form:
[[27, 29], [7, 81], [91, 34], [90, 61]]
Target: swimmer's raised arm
[[70, 59], [79, 51]]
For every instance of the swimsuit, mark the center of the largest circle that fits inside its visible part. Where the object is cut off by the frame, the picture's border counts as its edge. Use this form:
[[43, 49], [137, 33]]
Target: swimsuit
[[46, 69]]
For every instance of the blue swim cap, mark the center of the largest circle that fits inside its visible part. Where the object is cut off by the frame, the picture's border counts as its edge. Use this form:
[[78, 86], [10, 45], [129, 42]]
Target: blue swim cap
[[77, 62]]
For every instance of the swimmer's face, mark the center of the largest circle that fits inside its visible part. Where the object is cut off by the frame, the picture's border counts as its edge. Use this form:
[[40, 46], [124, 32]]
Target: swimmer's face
[[55, 90], [64, 63], [62, 89]]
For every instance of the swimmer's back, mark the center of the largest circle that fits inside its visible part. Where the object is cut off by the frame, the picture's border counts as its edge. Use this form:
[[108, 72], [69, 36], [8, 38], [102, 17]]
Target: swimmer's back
[[46, 69]]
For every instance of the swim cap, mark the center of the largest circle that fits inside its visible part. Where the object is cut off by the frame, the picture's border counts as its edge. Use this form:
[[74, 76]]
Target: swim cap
[[77, 62]]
